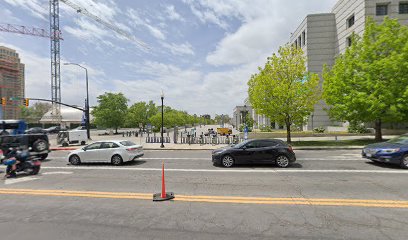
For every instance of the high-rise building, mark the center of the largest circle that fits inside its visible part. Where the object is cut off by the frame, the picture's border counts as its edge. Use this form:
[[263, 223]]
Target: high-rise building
[[12, 83], [324, 36]]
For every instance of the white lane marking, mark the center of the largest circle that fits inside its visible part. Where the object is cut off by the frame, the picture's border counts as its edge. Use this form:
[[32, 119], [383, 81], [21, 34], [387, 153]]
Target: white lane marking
[[301, 159], [51, 173], [209, 159], [19, 180], [234, 170]]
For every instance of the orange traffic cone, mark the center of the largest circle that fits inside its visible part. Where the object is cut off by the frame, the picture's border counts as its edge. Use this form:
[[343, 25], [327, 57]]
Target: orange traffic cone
[[163, 196]]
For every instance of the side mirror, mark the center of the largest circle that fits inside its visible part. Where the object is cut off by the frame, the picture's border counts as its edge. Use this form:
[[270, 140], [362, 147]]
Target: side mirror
[[244, 147], [84, 149]]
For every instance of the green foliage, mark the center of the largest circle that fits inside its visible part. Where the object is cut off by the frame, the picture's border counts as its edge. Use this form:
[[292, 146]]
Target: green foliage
[[140, 112], [319, 130], [369, 82], [111, 110], [173, 118], [357, 127], [283, 90], [266, 129], [34, 113], [224, 118]]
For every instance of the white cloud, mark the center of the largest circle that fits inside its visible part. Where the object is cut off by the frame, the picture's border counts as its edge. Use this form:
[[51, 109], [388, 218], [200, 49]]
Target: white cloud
[[173, 14], [8, 17], [266, 24], [38, 78], [137, 20], [37, 8], [179, 49]]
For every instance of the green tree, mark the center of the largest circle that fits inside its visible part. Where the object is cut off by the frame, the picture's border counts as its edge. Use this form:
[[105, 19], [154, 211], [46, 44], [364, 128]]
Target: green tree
[[283, 90], [140, 112], [223, 118], [111, 110], [369, 82], [34, 113]]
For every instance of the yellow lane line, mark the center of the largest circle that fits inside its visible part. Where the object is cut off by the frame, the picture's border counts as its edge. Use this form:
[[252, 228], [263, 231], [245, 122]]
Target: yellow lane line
[[213, 199]]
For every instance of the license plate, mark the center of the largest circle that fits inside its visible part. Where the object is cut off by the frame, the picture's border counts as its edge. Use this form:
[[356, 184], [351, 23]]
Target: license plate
[[369, 155]]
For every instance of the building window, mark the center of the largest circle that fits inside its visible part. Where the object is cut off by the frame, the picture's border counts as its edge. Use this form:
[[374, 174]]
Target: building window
[[381, 9], [296, 43], [349, 41], [350, 21], [403, 8], [304, 37], [300, 41]]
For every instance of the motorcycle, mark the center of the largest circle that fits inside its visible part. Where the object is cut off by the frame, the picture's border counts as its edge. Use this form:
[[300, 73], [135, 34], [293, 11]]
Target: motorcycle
[[28, 164]]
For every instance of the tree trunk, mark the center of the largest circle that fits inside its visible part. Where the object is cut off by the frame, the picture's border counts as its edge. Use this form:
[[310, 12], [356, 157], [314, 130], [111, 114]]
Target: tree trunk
[[288, 137], [116, 130], [378, 133]]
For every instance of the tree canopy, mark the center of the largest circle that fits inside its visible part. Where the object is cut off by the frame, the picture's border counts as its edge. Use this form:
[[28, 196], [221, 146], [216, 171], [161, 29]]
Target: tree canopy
[[369, 82], [283, 90], [111, 110]]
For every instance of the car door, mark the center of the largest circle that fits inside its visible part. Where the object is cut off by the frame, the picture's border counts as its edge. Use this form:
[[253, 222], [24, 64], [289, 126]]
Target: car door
[[106, 150], [267, 151], [91, 153], [247, 153]]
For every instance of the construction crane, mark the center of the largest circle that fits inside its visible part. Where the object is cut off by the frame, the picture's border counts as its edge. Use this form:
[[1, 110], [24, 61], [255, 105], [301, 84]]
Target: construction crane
[[54, 35], [55, 46], [33, 31], [106, 24]]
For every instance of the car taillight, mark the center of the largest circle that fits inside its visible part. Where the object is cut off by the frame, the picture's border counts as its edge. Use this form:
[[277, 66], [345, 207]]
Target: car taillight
[[290, 148], [131, 149]]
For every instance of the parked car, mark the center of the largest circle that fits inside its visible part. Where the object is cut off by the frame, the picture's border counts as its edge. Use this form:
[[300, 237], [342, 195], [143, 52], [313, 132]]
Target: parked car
[[36, 130], [115, 152], [54, 129], [394, 151], [263, 151]]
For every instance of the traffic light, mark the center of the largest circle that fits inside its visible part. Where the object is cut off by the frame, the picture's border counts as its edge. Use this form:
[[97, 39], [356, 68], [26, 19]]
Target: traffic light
[[26, 102], [3, 101]]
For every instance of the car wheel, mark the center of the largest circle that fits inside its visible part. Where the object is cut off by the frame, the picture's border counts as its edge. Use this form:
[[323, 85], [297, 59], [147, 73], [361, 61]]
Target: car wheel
[[40, 145], [227, 161], [116, 160], [74, 160], [282, 161], [404, 161]]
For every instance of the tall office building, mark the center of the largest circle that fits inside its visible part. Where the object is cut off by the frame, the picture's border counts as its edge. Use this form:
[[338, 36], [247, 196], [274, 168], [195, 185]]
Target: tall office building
[[12, 83], [324, 36]]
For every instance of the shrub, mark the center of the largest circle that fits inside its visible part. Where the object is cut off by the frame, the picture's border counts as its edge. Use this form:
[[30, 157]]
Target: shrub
[[356, 127], [319, 130]]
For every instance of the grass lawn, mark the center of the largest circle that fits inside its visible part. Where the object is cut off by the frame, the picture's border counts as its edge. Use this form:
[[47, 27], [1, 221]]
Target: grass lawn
[[355, 142]]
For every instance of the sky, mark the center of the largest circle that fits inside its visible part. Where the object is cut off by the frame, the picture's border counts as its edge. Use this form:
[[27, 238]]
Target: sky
[[201, 53]]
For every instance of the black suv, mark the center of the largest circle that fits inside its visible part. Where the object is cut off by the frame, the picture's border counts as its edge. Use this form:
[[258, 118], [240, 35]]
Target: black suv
[[37, 143], [12, 136]]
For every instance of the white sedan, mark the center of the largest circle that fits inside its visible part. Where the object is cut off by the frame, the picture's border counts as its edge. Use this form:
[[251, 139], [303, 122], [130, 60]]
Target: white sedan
[[112, 151]]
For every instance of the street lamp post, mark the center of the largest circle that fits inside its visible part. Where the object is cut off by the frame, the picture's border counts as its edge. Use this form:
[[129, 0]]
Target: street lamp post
[[162, 121], [87, 125]]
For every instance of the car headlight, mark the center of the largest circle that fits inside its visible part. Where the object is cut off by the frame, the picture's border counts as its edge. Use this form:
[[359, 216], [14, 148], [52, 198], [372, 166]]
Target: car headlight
[[394, 150]]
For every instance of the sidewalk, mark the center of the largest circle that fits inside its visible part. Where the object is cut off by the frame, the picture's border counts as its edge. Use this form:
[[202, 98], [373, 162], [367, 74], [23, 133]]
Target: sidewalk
[[173, 146]]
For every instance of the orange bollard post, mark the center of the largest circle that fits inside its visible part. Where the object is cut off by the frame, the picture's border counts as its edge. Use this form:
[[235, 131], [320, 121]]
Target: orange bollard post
[[163, 196]]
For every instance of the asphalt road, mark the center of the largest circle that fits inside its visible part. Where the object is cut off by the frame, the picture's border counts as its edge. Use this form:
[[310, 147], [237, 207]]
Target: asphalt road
[[325, 195]]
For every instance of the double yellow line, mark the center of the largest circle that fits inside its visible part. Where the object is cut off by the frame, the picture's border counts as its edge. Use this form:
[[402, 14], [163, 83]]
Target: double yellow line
[[214, 199]]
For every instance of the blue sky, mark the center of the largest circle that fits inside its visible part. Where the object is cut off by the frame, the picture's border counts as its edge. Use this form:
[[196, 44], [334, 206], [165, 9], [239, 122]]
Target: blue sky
[[202, 52]]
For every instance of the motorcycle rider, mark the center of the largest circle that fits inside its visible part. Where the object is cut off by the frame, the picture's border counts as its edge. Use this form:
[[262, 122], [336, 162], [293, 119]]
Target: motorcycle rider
[[14, 157]]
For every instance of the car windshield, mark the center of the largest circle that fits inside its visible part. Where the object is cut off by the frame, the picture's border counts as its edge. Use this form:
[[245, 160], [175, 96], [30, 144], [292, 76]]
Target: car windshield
[[400, 140], [127, 143]]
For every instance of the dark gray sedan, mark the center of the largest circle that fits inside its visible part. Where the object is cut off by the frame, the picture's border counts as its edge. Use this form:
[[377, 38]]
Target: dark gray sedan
[[256, 151]]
